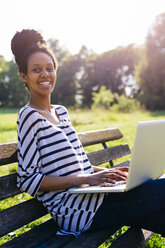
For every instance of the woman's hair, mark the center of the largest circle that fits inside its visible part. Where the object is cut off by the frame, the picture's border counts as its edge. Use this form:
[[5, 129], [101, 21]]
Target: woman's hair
[[27, 42]]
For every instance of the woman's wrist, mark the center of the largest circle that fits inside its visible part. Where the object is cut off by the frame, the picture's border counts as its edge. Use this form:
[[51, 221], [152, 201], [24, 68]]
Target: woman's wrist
[[82, 179], [97, 168]]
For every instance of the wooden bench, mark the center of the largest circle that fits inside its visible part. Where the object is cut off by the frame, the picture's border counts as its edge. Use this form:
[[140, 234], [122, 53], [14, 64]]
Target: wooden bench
[[44, 235]]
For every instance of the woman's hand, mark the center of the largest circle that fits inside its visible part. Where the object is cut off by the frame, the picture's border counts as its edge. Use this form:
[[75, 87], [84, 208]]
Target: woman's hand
[[108, 176]]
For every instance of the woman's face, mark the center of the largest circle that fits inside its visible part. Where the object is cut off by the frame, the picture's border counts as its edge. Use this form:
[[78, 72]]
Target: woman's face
[[41, 74]]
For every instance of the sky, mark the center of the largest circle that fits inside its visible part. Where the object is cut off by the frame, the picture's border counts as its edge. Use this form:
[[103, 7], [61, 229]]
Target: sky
[[100, 25]]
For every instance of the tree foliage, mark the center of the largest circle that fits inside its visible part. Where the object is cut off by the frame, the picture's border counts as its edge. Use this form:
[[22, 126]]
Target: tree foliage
[[12, 91], [66, 87], [151, 70], [61, 53], [112, 69], [3, 79], [17, 94]]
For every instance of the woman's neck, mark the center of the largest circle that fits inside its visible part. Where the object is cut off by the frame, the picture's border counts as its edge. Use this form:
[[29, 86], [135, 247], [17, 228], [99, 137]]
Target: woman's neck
[[40, 104]]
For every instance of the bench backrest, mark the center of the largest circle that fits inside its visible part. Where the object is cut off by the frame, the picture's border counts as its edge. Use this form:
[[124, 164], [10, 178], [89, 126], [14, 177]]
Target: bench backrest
[[23, 213]]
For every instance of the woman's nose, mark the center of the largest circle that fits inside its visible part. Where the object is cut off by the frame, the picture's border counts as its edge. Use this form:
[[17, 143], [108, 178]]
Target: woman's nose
[[44, 73]]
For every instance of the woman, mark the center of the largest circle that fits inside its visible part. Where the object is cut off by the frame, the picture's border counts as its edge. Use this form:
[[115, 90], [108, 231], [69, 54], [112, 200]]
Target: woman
[[51, 157]]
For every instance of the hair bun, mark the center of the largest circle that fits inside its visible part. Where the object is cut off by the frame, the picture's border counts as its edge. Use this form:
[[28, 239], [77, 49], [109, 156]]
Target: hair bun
[[26, 43], [24, 39]]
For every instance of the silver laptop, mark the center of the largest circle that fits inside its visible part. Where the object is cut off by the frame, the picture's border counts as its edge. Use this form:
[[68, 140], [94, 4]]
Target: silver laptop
[[147, 159]]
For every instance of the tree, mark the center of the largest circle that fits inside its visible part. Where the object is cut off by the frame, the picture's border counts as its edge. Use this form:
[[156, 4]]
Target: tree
[[12, 90], [67, 74], [17, 94], [112, 69], [3, 78], [66, 85], [61, 54], [151, 76]]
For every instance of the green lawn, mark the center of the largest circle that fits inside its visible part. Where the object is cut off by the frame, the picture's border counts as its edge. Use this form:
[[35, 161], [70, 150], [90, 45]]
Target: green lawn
[[8, 124], [82, 120]]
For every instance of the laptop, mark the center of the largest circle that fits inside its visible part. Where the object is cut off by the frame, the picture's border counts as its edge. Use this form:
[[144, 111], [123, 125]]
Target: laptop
[[147, 159]]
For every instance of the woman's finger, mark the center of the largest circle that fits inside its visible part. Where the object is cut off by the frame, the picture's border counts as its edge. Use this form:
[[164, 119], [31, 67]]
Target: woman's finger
[[118, 174], [114, 176], [126, 169]]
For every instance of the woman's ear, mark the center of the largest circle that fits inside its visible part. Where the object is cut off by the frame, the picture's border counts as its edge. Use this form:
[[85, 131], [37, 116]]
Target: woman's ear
[[23, 77]]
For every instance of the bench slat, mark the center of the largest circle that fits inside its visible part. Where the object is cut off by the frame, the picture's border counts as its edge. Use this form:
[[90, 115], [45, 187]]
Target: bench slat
[[124, 164], [90, 239], [34, 237], [103, 156], [8, 186], [99, 136], [8, 151], [132, 238], [59, 241], [27, 212]]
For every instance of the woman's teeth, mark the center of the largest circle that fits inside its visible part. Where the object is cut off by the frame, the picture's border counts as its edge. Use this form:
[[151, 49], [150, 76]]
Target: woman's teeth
[[45, 83]]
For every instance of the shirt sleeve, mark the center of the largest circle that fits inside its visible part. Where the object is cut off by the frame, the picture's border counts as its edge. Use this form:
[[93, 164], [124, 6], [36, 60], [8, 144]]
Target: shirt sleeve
[[30, 174], [63, 113]]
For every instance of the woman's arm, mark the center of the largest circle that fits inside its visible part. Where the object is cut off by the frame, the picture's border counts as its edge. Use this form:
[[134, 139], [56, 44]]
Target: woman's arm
[[52, 183]]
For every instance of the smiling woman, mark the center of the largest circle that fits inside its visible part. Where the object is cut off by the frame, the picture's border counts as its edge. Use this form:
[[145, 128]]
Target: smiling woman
[[51, 158]]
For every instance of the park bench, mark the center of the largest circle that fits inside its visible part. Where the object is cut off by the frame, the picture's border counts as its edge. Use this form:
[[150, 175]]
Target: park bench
[[44, 235]]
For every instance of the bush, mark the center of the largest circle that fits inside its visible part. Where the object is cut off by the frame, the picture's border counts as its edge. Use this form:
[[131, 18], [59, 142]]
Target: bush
[[126, 104], [104, 98]]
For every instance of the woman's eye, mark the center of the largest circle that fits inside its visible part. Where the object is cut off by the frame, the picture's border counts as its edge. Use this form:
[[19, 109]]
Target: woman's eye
[[36, 70]]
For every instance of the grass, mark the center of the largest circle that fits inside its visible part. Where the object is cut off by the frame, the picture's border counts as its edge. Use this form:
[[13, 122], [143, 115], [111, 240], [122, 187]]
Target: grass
[[8, 120], [82, 120]]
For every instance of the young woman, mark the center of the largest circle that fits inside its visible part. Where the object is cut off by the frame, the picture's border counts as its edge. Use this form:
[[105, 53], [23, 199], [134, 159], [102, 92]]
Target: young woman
[[51, 157]]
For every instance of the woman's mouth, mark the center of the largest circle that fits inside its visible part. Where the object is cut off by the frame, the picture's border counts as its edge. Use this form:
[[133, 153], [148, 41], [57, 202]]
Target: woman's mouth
[[45, 83]]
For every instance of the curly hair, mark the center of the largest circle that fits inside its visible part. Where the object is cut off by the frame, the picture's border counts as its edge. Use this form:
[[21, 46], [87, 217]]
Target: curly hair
[[27, 42]]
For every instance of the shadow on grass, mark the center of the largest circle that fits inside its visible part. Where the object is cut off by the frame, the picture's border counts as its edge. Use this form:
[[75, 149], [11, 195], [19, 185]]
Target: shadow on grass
[[158, 113], [8, 110]]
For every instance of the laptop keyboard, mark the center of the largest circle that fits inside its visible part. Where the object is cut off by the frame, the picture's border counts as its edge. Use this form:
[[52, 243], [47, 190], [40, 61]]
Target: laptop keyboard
[[113, 184]]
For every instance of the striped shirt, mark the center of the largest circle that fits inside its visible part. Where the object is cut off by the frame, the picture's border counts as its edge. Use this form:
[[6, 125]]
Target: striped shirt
[[54, 150]]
